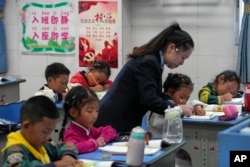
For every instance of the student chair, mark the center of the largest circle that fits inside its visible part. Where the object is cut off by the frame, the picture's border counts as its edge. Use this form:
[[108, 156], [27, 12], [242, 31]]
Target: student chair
[[10, 116], [144, 123]]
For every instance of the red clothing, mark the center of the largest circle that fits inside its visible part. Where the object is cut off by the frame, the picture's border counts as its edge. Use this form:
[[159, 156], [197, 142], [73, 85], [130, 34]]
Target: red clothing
[[81, 79], [85, 140]]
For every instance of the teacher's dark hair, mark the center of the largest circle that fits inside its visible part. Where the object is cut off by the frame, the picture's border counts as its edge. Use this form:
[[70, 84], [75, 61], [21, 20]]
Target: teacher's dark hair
[[172, 34]]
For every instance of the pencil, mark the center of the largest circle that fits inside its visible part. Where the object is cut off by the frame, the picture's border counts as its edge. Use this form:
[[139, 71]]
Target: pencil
[[93, 78]]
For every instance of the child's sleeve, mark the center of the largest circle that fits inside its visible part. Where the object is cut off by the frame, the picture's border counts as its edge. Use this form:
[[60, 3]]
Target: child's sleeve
[[206, 97], [107, 133], [18, 155], [59, 150]]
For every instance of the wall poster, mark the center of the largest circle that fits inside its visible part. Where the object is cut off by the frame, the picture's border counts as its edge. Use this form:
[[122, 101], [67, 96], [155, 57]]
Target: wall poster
[[47, 28], [98, 27]]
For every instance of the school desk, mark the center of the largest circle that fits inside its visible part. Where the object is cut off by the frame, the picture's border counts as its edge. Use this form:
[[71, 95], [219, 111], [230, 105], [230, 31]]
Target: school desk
[[201, 138], [235, 138], [10, 90], [163, 157]]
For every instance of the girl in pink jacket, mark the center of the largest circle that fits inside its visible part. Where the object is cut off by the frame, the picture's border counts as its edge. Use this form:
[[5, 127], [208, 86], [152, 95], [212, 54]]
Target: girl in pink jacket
[[81, 105]]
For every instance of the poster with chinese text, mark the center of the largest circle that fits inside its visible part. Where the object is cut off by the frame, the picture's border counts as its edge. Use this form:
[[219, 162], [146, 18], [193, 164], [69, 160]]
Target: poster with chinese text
[[98, 37], [48, 28]]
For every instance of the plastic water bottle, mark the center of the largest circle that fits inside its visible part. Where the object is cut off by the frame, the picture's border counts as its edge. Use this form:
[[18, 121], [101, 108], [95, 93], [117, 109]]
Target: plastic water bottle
[[172, 127], [136, 145]]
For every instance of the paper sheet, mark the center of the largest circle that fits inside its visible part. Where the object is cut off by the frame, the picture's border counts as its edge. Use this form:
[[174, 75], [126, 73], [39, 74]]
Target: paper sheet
[[124, 149], [92, 163], [209, 115], [234, 101]]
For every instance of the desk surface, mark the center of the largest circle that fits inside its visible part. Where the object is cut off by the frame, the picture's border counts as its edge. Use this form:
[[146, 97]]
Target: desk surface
[[217, 122], [148, 159], [11, 80]]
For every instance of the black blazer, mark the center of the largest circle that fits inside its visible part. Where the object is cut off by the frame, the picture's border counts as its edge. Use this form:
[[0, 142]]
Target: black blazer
[[136, 90]]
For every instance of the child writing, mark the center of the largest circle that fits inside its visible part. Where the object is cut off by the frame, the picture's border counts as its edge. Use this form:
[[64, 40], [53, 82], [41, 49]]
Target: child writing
[[223, 88], [30, 146], [177, 90], [81, 105], [96, 78], [57, 77]]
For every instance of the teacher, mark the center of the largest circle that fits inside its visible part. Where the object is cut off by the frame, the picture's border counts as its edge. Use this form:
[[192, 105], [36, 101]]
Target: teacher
[[138, 86]]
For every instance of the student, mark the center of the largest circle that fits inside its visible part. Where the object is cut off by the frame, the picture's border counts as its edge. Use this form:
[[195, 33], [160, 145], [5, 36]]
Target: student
[[96, 78], [177, 89], [81, 105], [57, 77], [138, 86], [30, 145], [223, 88]]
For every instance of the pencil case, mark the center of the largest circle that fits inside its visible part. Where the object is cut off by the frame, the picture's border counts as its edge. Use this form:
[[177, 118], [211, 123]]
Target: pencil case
[[230, 112]]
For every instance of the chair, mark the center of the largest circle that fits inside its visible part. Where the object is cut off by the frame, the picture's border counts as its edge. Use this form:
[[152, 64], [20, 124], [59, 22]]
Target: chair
[[10, 116], [144, 123]]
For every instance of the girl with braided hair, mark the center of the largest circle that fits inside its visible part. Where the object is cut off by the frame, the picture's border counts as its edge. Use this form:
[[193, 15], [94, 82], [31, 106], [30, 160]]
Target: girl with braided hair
[[81, 105], [177, 89]]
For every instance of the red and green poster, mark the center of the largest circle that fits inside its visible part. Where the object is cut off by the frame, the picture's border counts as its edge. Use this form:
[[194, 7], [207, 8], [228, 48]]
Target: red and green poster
[[98, 36], [47, 28]]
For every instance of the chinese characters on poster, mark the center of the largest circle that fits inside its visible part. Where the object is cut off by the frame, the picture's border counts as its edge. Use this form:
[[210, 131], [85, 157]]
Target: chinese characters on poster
[[48, 28], [98, 37]]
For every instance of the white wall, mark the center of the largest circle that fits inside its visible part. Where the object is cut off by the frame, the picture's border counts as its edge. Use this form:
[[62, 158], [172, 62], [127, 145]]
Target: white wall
[[210, 23]]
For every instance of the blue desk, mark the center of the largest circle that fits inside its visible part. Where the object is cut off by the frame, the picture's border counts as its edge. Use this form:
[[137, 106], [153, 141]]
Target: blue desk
[[201, 138], [10, 90], [164, 157], [232, 140]]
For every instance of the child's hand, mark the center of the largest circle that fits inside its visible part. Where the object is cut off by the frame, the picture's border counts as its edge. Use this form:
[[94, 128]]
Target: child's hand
[[198, 110], [97, 88], [67, 161], [106, 87], [226, 97], [186, 110], [101, 141]]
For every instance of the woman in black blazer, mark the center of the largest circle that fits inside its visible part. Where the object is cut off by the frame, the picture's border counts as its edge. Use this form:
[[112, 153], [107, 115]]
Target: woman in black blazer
[[138, 86]]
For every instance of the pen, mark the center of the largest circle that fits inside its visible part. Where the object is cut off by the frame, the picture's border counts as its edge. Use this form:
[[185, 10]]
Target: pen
[[93, 78], [211, 116]]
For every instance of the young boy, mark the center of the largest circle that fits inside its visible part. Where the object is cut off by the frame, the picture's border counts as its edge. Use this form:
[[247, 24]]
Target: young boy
[[30, 146], [57, 76]]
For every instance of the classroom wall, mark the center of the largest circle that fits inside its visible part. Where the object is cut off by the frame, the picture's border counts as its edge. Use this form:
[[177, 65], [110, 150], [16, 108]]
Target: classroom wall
[[210, 23]]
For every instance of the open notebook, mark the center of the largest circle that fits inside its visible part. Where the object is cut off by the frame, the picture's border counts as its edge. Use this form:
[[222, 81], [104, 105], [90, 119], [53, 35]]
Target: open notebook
[[122, 147], [209, 115]]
